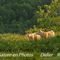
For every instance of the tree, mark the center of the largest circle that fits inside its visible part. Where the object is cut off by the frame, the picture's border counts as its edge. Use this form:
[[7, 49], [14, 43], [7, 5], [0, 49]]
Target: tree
[[45, 12]]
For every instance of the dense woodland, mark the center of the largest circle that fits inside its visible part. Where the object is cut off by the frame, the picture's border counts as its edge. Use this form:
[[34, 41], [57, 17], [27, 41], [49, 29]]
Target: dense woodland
[[19, 16]]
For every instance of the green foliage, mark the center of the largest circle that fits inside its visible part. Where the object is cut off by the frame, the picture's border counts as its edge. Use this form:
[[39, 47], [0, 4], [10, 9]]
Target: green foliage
[[29, 58], [47, 16], [15, 15], [36, 56], [21, 15], [18, 43]]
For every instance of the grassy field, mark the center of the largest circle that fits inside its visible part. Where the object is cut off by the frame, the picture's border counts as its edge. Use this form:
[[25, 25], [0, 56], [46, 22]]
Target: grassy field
[[18, 43], [26, 58]]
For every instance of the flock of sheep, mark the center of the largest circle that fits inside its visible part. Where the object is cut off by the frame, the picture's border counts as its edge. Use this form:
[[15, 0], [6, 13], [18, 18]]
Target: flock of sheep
[[40, 34]]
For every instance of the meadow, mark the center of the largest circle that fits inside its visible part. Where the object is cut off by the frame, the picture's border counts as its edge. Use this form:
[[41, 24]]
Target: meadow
[[16, 43], [21, 58]]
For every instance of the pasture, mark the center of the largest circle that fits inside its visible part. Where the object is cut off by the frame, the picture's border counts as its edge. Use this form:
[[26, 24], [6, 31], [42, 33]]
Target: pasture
[[27, 58], [16, 43]]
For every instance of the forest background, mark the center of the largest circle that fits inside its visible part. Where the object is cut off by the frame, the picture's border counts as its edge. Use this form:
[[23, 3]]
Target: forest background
[[20, 16]]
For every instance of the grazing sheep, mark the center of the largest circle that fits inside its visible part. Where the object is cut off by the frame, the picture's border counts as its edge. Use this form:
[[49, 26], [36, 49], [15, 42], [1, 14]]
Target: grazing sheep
[[37, 37], [30, 36], [47, 34], [51, 33], [41, 33], [33, 36]]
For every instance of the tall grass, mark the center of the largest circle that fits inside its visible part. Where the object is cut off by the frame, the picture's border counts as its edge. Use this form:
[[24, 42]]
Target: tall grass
[[19, 43], [12, 37]]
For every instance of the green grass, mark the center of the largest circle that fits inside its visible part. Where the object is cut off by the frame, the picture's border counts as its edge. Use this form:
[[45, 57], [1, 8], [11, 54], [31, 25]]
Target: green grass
[[18, 43], [27, 58]]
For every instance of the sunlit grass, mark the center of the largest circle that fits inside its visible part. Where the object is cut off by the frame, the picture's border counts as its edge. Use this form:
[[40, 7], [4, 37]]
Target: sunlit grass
[[16, 37], [10, 36]]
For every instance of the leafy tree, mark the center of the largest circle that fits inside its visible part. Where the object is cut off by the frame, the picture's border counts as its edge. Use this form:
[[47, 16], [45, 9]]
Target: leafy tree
[[45, 12]]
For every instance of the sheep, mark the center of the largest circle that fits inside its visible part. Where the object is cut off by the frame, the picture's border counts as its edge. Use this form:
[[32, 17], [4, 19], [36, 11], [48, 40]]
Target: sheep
[[33, 36], [47, 34], [37, 37]]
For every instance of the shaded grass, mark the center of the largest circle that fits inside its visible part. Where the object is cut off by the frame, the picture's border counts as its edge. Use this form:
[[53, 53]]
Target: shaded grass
[[31, 58]]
